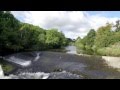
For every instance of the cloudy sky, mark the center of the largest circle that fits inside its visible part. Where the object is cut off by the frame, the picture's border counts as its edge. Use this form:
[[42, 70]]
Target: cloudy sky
[[71, 23]]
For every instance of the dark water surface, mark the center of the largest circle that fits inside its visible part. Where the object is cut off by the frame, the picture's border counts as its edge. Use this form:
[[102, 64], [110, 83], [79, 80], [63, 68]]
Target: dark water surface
[[87, 67]]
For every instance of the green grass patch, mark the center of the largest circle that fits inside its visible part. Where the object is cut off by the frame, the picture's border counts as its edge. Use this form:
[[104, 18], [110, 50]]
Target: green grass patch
[[112, 50], [6, 66]]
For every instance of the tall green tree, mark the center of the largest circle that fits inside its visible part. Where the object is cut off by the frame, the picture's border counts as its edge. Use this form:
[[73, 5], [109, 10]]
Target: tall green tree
[[117, 25], [32, 37], [9, 26], [90, 38], [103, 36], [55, 39]]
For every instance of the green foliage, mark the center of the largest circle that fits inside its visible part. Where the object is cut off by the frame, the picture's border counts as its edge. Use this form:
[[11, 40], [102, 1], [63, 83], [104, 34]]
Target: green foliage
[[16, 36], [9, 26], [117, 26], [86, 43], [6, 66], [90, 37], [55, 39], [103, 42], [103, 36], [112, 50], [32, 37]]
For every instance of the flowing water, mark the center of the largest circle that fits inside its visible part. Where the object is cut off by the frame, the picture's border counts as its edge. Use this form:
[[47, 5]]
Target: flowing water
[[58, 65], [1, 72], [19, 61], [37, 57], [2, 76], [71, 49]]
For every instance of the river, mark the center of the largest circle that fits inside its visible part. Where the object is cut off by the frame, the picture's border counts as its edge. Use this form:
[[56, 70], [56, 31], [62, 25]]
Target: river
[[111, 61], [71, 49], [59, 65]]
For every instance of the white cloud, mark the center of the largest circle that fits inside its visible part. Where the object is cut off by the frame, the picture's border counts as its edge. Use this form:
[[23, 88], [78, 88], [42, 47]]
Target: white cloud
[[71, 23]]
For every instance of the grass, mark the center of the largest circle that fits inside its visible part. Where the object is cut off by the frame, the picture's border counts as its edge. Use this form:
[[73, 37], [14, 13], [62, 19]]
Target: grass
[[113, 50], [6, 66], [97, 63]]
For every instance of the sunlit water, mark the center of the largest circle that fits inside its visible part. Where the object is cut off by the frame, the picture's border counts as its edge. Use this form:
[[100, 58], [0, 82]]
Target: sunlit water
[[71, 49], [19, 61], [40, 59], [37, 57], [23, 62], [1, 72]]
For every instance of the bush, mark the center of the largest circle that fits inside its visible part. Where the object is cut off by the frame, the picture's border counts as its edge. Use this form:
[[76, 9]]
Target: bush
[[112, 50]]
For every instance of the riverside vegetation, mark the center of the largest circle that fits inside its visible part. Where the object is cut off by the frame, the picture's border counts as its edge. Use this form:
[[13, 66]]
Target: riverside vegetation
[[16, 36], [103, 41]]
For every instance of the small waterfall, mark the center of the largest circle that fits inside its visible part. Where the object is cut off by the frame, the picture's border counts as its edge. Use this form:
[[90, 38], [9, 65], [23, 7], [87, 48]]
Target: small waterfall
[[19, 61], [2, 74], [37, 57], [38, 75]]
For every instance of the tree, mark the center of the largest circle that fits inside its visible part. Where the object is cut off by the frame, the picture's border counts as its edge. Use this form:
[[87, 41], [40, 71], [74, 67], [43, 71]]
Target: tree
[[8, 30], [55, 39], [117, 26], [32, 37], [90, 38], [104, 36]]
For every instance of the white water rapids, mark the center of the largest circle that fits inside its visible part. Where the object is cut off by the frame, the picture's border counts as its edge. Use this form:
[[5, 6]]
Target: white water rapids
[[19, 61], [38, 75], [24, 75], [37, 57], [1, 72], [22, 62]]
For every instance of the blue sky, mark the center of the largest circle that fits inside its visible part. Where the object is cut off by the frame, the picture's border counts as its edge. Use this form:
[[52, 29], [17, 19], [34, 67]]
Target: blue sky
[[72, 23], [106, 13]]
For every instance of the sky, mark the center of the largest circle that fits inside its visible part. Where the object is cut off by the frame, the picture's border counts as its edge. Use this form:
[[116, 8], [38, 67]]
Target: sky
[[71, 23]]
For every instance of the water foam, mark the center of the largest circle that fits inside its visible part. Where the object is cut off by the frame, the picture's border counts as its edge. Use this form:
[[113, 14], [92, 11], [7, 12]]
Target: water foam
[[19, 61]]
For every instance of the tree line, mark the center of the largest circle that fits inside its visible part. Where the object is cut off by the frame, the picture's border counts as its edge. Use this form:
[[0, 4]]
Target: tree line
[[19, 36], [103, 41]]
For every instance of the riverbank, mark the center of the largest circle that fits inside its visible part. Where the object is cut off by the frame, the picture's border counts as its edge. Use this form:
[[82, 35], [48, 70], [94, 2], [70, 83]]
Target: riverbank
[[7, 67], [109, 60]]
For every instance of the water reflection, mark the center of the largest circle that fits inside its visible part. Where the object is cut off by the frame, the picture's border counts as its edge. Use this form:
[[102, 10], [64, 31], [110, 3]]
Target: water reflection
[[71, 49]]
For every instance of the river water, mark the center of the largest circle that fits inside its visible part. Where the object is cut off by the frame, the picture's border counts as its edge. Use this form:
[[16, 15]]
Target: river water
[[58, 65], [71, 49], [111, 61]]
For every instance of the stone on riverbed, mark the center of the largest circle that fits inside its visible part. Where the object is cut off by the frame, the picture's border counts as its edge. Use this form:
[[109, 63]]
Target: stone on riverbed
[[42, 75], [64, 75], [38, 75]]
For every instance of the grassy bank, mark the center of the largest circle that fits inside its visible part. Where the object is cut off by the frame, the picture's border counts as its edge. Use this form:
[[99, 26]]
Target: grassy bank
[[6, 66], [112, 50]]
